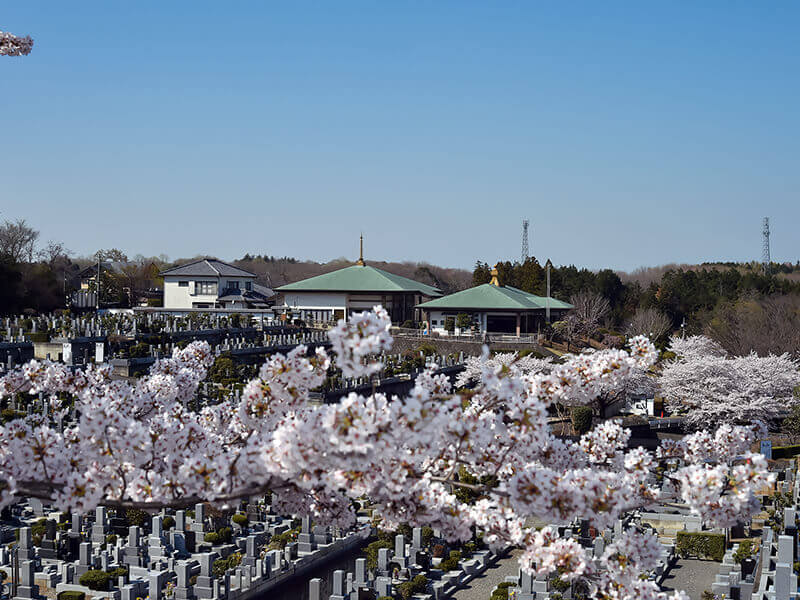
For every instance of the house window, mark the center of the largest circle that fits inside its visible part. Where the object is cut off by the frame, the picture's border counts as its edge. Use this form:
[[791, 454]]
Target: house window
[[233, 285], [205, 288], [434, 322], [183, 284], [248, 285]]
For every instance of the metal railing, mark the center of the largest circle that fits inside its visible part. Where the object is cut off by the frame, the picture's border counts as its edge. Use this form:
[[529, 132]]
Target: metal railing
[[488, 337]]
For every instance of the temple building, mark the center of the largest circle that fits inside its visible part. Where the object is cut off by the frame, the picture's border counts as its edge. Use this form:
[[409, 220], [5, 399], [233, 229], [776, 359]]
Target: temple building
[[492, 308], [337, 294]]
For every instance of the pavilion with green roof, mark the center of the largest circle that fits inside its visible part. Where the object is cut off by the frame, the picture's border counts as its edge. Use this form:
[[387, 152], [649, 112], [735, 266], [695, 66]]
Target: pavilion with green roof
[[493, 308], [335, 295]]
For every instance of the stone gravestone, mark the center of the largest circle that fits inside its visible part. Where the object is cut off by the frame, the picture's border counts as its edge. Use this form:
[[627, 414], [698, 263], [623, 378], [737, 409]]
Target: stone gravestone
[[99, 527], [85, 562], [131, 554], [400, 551], [49, 548], [27, 588], [338, 586], [204, 588], [183, 590], [305, 541]]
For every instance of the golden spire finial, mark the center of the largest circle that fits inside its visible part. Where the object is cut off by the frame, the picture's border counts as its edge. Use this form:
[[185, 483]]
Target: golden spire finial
[[495, 281], [361, 262]]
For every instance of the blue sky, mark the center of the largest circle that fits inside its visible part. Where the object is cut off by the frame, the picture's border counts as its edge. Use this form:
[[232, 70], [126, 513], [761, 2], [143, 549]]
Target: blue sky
[[629, 133]]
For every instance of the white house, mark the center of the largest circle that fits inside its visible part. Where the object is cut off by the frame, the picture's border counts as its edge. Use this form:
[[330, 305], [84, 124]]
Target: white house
[[212, 284]]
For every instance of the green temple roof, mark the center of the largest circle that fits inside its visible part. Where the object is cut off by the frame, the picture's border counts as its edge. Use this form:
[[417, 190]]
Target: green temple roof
[[493, 297], [360, 278]]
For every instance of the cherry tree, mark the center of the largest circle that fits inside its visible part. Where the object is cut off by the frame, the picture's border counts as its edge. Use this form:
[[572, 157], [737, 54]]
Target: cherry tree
[[711, 387], [142, 445], [12, 45]]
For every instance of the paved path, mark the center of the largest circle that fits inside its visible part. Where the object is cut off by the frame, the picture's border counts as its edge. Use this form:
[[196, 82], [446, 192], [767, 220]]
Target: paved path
[[481, 587], [691, 576]]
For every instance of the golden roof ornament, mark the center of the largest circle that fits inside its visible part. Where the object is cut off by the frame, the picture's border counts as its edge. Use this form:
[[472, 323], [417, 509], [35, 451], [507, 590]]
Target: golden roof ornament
[[360, 262], [495, 281]]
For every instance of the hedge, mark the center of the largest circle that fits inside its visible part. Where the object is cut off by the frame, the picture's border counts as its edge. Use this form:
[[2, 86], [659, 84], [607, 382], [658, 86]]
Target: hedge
[[701, 544], [581, 417], [451, 563], [95, 580], [785, 451], [71, 595]]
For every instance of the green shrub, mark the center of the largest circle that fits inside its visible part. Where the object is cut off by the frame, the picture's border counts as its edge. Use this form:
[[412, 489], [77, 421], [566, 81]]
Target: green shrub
[[136, 517], [426, 349], [168, 522], [95, 580], [559, 584], [581, 417], [501, 591], [155, 302], [225, 535], [745, 550], [222, 565], [38, 337], [212, 537], [118, 572], [405, 590], [427, 536], [140, 350], [451, 562], [701, 544], [371, 552], [111, 539], [240, 519], [71, 595], [279, 541], [9, 414]]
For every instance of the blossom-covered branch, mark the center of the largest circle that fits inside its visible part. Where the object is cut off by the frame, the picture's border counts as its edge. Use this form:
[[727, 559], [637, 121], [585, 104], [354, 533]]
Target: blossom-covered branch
[[12, 45], [143, 444]]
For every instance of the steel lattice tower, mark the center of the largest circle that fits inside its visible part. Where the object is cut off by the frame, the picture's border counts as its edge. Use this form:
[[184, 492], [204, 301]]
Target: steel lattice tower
[[524, 241], [765, 258]]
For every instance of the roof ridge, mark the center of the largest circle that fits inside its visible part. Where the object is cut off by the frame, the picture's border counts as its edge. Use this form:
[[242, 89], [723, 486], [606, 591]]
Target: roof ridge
[[388, 276], [213, 267]]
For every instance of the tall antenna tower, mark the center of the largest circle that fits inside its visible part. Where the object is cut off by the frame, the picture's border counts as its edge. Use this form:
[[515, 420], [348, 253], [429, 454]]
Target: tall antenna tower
[[765, 259], [524, 240]]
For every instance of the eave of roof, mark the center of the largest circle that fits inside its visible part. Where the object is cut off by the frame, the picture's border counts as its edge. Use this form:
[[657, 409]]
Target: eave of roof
[[492, 297]]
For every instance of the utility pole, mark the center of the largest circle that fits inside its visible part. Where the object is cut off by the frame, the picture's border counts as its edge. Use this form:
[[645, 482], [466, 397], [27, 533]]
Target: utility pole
[[547, 300], [97, 287]]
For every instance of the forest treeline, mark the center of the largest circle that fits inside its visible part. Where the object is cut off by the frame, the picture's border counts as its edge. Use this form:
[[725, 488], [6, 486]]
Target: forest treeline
[[737, 303]]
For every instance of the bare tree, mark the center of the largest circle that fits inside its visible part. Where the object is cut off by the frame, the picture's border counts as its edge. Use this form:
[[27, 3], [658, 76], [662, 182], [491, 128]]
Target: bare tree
[[18, 241], [52, 252], [765, 326], [650, 322], [590, 310]]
